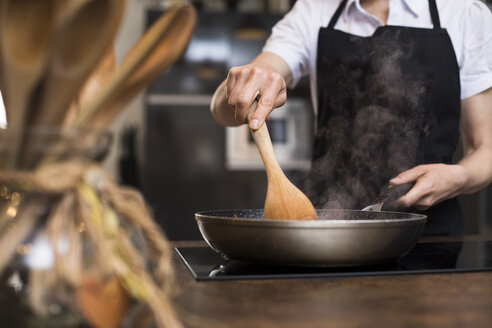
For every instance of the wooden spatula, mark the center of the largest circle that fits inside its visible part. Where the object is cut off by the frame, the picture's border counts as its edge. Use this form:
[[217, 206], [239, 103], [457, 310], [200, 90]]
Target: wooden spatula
[[96, 81], [104, 304], [86, 31], [165, 53], [158, 49], [284, 201], [26, 35]]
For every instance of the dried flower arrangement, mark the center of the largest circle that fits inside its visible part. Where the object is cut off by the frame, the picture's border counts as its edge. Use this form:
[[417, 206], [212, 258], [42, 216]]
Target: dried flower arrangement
[[107, 250]]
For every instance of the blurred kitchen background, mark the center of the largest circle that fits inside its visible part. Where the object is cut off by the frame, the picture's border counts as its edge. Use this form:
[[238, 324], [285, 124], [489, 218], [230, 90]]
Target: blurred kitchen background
[[168, 146]]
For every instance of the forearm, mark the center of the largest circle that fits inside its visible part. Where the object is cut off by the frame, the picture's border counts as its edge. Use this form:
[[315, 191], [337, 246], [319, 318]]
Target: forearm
[[476, 126], [478, 165], [435, 183]]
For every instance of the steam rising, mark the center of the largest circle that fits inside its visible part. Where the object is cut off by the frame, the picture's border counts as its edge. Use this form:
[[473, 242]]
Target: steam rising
[[378, 138]]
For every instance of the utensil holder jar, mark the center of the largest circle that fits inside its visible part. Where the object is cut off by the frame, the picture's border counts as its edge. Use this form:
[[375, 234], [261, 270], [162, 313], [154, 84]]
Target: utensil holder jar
[[50, 275]]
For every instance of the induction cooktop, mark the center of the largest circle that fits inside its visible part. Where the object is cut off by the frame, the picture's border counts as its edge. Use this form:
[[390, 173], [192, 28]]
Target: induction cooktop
[[443, 257]]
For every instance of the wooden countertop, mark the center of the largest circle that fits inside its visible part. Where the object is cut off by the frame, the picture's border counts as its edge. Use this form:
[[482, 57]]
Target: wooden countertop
[[424, 300]]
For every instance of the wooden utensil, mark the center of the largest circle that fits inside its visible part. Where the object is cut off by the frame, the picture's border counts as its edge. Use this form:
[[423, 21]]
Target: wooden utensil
[[26, 33], [284, 201], [158, 49], [104, 304], [99, 77], [86, 31], [167, 51]]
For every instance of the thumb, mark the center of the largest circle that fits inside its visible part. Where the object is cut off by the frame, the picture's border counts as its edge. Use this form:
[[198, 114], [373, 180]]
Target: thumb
[[258, 117], [264, 108]]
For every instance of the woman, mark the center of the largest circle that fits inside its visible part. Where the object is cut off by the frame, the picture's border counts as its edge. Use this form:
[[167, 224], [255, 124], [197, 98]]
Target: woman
[[392, 82]]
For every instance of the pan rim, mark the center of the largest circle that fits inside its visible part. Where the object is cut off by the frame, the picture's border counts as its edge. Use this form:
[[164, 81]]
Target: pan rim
[[206, 216]]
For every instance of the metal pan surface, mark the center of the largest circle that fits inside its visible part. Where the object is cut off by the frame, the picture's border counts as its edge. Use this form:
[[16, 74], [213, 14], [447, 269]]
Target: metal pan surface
[[338, 238]]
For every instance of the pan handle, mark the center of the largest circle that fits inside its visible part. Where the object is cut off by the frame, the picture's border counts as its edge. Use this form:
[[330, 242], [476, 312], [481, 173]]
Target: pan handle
[[393, 192], [386, 198], [390, 193]]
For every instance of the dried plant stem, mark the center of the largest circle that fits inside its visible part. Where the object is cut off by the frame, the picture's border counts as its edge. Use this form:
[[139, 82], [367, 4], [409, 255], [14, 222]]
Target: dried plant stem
[[66, 241], [157, 298], [101, 250], [25, 221], [125, 200]]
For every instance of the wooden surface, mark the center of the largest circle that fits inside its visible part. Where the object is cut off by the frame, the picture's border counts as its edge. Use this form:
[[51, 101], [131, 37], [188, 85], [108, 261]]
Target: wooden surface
[[427, 300]]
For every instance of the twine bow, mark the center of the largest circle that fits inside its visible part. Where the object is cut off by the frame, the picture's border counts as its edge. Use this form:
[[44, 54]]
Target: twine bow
[[86, 203]]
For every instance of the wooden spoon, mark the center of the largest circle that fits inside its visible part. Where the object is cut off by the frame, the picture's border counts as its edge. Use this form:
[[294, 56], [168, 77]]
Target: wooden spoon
[[284, 201], [104, 304], [26, 33], [86, 31], [158, 49], [99, 77]]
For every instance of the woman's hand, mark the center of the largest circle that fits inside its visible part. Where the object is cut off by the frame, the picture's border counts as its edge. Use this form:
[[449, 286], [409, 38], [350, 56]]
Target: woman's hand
[[266, 77], [434, 183], [245, 83], [438, 182]]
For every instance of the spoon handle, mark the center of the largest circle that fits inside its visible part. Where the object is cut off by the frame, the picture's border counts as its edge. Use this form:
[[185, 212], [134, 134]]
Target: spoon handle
[[264, 144]]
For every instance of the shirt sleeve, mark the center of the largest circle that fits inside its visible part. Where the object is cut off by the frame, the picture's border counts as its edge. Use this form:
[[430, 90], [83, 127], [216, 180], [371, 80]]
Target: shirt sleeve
[[291, 38], [476, 51]]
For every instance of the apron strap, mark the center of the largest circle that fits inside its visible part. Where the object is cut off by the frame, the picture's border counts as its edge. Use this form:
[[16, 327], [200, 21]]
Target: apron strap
[[434, 14], [432, 6], [336, 15]]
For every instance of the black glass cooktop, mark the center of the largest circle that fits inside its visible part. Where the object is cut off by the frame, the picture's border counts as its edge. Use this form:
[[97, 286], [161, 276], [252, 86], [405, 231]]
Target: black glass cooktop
[[206, 264]]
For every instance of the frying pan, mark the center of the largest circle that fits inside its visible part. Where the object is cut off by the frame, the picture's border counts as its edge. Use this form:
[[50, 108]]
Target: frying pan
[[338, 238]]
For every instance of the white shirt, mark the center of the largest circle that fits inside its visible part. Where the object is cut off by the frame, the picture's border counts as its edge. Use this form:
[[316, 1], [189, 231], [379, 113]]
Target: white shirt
[[468, 22]]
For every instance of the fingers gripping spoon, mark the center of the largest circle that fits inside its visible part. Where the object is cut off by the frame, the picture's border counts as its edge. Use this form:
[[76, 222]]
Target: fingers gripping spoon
[[284, 201]]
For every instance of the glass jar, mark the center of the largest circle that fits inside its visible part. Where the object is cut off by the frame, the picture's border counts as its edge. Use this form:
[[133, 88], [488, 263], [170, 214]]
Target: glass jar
[[31, 291]]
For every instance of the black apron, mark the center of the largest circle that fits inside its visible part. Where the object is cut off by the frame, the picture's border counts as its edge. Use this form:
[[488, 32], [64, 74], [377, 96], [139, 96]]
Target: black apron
[[386, 103]]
